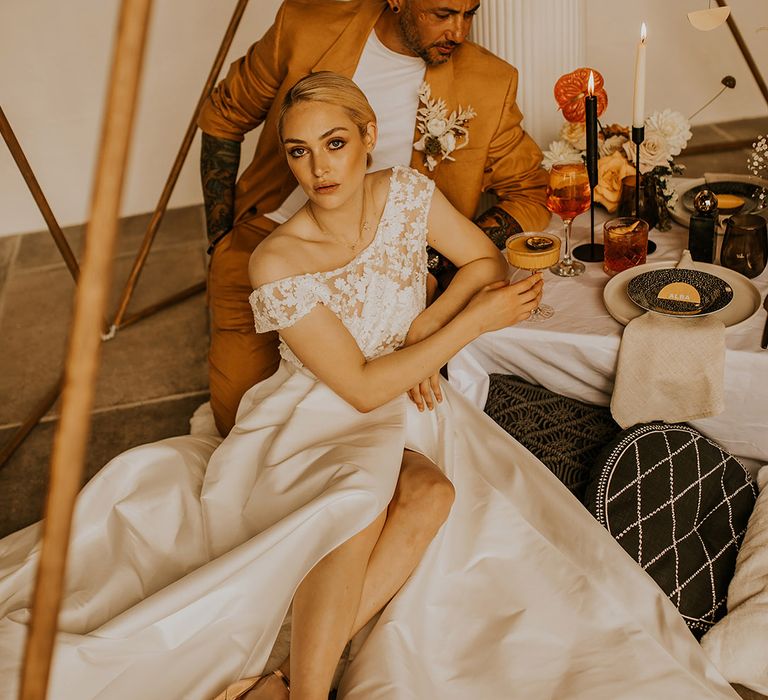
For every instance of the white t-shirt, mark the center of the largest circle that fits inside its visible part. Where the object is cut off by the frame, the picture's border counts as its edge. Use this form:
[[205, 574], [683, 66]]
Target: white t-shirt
[[391, 83]]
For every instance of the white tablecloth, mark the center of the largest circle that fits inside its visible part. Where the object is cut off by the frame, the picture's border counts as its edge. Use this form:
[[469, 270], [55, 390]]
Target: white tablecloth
[[574, 352]]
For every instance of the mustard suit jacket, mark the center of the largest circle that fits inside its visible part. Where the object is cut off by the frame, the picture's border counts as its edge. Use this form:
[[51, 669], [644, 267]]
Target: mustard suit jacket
[[314, 35]]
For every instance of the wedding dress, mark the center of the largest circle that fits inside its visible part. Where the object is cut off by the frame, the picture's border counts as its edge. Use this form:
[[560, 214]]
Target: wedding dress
[[186, 552]]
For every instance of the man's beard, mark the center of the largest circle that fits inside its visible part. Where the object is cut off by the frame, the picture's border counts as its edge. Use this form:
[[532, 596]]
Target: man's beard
[[410, 36]]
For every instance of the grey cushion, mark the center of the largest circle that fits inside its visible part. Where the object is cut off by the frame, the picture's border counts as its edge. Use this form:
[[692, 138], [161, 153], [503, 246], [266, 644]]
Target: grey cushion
[[679, 505], [565, 434]]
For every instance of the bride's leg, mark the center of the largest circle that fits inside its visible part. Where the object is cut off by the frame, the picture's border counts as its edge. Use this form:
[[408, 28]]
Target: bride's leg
[[324, 610], [421, 503]]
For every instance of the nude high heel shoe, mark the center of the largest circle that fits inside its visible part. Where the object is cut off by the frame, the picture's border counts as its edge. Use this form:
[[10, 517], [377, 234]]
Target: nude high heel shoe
[[240, 688]]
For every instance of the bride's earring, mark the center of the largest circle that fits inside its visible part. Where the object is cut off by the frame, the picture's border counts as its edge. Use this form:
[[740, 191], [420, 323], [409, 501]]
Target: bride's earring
[[395, 9]]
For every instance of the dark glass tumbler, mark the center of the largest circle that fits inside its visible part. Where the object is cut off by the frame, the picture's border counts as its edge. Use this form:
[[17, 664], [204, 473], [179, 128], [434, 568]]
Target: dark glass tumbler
[[745, 244]]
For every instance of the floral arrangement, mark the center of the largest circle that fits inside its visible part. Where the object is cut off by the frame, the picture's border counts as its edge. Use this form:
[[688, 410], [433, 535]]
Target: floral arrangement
[[666, 135], [757, 164], [442, 133]]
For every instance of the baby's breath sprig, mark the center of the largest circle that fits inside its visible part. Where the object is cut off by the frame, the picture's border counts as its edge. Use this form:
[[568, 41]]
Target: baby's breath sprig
[[757, 164]]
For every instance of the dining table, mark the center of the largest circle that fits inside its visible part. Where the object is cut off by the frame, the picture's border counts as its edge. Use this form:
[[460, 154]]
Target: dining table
[[574, 353]]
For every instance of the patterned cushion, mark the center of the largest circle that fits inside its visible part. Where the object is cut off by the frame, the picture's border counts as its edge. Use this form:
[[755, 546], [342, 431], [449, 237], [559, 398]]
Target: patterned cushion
[[679, 505], [565, 434]]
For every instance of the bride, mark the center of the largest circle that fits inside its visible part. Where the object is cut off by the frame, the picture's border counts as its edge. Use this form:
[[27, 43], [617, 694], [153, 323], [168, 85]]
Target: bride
[[187, 553]]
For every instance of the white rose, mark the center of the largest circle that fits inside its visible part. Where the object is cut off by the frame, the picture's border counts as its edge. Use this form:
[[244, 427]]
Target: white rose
[[611, 170], [611, 145], [654, 152], [575, 133], [447, 142], [673, 126], [436, 126], [560, 152]]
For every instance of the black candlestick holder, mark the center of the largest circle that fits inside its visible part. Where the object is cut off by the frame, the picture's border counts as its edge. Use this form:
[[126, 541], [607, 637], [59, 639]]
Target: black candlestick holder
[[638, 136], [591, 252]]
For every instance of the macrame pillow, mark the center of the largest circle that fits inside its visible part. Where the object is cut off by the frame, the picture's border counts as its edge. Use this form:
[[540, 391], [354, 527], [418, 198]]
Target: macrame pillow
[[565, 434], [679, 505]]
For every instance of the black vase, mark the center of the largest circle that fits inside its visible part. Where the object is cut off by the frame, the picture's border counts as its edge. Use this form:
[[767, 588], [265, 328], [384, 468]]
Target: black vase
[[745, 244], [649, 205]]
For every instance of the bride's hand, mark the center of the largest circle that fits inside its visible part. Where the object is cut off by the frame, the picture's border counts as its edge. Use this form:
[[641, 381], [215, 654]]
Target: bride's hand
[[499, 305], [428, 391]]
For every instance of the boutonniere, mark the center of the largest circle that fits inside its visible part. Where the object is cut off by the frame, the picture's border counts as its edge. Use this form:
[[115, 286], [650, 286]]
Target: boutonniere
[[441, 133]]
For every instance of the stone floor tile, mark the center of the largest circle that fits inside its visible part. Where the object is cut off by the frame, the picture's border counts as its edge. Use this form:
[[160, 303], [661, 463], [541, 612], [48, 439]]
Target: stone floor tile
[[160, 355], [23, 481], [33, 331], [8, 249], [714, 162], [183, 226], [704, 134], [166, 271], [744, 128], [39, 249]]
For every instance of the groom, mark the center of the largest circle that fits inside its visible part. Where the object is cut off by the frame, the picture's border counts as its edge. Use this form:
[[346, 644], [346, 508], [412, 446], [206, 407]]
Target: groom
[[394, 50]]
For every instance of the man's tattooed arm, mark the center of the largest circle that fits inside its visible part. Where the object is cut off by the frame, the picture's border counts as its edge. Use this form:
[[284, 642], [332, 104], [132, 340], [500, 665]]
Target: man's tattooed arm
[[498, 225], [219, 160]]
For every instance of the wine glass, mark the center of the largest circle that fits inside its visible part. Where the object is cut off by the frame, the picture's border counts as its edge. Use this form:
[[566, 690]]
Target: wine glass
[[745, 244], [534, 252], [568, 196]]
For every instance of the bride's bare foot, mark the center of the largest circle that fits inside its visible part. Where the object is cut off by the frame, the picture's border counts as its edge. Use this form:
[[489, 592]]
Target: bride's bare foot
[[268, 688]]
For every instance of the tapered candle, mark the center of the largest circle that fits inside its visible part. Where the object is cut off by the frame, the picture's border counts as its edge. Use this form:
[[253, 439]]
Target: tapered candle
[[638, 102], [590, 108]]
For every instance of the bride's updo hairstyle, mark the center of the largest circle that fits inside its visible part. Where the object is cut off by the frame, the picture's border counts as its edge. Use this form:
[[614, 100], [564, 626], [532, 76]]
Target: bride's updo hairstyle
[[333, 89]]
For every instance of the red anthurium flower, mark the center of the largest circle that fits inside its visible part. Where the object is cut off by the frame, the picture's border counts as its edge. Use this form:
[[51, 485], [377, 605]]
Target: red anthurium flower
[[572, 88]]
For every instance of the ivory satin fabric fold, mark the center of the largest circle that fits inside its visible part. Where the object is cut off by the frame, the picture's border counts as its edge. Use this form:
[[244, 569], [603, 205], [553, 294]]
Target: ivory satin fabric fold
[[185, 556]]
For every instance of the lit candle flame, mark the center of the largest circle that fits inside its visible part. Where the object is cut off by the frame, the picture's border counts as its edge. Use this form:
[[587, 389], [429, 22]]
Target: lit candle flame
[[591, 84], [643, 32]]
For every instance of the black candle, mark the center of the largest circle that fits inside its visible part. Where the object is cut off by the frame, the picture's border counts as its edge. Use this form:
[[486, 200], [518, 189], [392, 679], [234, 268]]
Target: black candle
[[590, 107], [591, 252]]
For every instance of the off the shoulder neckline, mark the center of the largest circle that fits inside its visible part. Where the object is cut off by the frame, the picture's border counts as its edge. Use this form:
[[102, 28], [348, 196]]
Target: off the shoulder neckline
[[356, 259]]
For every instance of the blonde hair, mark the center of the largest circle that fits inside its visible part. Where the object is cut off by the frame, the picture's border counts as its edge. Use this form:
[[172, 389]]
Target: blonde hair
[[333, 89]]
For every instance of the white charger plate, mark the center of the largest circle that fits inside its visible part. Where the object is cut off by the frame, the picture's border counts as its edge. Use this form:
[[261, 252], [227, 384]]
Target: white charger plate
[[746, 298], [682, 215]]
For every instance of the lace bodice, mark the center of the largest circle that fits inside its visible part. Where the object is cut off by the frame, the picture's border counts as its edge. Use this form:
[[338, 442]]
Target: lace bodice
[[379, 292]]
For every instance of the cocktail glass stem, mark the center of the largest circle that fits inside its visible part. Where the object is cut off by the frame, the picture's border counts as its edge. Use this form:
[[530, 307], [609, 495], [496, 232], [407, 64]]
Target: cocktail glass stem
[[543, 311], [567, 257], [567, 267]]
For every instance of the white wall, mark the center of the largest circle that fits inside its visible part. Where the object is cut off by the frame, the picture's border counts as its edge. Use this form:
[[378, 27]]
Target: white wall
[[54, 59], [685, 66], [54, 62]]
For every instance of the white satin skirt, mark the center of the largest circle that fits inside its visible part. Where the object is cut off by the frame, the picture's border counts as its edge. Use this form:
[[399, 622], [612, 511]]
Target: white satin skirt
[[186, 553]]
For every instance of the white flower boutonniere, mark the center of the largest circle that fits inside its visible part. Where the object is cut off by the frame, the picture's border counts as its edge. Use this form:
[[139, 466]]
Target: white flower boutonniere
[[441, 133]]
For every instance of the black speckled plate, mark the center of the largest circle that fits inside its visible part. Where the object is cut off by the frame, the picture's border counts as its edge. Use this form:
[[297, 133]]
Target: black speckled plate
[[715, 294], [747, 191]]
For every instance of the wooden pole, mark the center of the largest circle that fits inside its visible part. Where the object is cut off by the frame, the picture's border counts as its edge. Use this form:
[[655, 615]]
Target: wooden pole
[[181, 156], [37, 194], [746, 53], [84, 346]]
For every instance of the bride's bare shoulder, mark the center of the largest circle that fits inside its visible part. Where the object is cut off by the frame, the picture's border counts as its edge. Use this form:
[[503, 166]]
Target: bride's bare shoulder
[[379, 183], [277, 257]]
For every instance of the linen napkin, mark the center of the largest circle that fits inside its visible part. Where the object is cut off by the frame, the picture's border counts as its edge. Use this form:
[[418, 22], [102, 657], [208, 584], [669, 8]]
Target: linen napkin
[[669, 369]]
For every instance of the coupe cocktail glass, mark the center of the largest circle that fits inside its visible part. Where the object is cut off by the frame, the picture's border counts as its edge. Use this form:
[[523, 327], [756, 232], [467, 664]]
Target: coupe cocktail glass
[[534, 252]]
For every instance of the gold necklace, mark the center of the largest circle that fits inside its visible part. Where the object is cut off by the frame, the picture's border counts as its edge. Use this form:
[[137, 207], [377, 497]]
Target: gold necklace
[[363, 229]]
